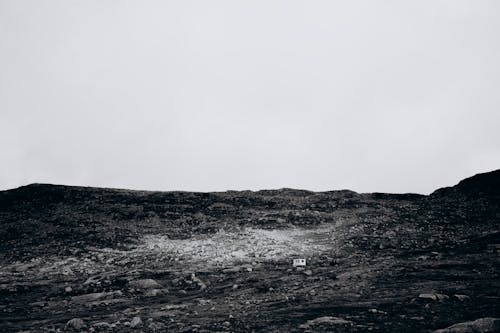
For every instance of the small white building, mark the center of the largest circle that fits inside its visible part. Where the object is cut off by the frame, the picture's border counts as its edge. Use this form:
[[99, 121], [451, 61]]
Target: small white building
[[299, 262]]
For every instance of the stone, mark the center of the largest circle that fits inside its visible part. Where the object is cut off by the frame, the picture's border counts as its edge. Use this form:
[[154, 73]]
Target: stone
[[482, 325], [326, 321], [102, 325], [461, 298], [145, 284], [88, 297], [75, 324], [136, 322], [154, 292], [231, 270], [156, 326], [433, 297], [198, 281]]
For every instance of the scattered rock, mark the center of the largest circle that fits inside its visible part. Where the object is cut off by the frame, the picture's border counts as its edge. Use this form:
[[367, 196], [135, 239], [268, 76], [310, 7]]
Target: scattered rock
[[308, 272], [145, 284], [40, 304], [102, 325], [21, 268], [88, 297], [198, 281], [231, 270], [155, 292], [75, 324], [483, 325], [136, 322], [326, 321], [433, 297], [156, 327], [461, 298], [377, 311]]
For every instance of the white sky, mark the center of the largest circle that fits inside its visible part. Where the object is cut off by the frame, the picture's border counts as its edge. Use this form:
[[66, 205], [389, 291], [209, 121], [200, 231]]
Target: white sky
[[388, 96]]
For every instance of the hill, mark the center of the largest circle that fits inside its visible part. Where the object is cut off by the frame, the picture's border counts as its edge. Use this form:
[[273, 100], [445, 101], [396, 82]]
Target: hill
[[121, 260]]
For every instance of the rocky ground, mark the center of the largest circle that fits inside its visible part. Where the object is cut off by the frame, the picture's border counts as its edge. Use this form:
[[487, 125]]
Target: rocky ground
[[104, 260]]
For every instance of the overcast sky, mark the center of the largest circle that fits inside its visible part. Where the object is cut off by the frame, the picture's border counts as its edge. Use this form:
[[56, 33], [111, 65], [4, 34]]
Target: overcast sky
[[388, 96]]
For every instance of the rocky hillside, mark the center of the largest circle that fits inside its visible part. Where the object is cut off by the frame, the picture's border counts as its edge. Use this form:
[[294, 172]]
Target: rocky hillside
[[93, 259]]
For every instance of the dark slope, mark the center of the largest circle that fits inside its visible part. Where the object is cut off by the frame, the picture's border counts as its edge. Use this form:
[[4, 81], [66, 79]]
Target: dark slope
[[473, 201], [38, 217], [388, 262], [484, 184]]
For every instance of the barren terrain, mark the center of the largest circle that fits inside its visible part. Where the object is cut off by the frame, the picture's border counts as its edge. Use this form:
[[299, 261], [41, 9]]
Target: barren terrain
[[106, 260]]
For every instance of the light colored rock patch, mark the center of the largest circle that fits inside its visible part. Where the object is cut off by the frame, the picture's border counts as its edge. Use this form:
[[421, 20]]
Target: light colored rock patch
[[249, 245]]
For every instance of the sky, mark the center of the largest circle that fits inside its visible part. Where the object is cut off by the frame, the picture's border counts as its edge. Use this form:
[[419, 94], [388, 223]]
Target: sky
[[372, 96]]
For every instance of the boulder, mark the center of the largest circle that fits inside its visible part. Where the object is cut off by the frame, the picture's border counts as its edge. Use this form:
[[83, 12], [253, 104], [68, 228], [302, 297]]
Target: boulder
[[231, 270], [483, 325], [136, 322], [461, 298], [155, 292], [145, 284], [74, 324], [156, 326], [433, 297], [103, 326], [198, 281], [326, 321], [88, 297]]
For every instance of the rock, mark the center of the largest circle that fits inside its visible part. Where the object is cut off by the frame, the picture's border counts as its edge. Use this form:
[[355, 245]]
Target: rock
[[326, 321], [483, 325], [93, 280], [231, 270], [154, 292], [156, 327], [88, 297], [377, 311], [40, 304], [75, 324], [68, 289], [246, 267], [21, 268], [145, 284], [433, 297], [461, 298], [136, 322], [308, 272], [102, 325], [198, 281]]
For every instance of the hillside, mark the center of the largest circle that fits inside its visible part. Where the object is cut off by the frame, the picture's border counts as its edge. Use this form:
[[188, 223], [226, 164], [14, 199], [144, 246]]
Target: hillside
[[94, 259]]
